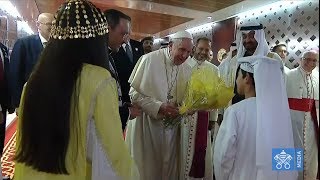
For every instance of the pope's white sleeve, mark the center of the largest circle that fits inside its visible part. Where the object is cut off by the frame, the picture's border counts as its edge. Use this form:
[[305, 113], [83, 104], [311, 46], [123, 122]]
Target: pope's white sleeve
[[149, 105], [225, 146]]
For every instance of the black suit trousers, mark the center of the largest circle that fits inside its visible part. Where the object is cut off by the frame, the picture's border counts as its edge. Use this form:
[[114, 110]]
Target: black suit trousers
[[124, 115], [3, 130]]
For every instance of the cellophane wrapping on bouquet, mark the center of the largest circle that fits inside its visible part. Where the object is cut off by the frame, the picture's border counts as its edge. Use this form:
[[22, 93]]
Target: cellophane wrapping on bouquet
[[206, 91]]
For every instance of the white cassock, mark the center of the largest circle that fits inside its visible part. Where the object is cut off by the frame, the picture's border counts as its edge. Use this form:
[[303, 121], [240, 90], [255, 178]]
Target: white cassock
[[243, 147], [302, 87], [155, 149], [189, 130]]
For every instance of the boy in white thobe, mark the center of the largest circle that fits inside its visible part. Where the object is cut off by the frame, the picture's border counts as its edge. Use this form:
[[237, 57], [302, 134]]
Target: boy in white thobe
[[243, 148]]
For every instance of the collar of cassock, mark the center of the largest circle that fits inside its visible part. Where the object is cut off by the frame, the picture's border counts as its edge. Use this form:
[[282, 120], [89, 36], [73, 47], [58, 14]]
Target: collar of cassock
[[168, 57], [304, 72]]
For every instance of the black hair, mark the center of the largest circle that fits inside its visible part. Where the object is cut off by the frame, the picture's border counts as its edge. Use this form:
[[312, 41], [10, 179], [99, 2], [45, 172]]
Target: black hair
[[51, 98], [149, 38], [114, 16], [274, 49], [245, 73], [203, 39]]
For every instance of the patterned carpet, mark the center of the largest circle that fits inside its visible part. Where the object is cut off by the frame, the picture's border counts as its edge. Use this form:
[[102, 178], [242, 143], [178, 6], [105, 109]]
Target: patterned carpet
[[9, 150]]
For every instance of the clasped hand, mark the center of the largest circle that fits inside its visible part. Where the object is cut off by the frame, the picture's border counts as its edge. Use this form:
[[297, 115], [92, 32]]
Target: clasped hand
[[134, 110], [169, 110]]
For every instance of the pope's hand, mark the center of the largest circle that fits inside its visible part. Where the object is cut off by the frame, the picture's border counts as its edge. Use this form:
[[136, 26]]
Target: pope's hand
[[134, 110], [169, 110]]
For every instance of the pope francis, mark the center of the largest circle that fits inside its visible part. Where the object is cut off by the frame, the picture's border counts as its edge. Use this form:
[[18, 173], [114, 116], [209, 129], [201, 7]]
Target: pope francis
[[158, 84]]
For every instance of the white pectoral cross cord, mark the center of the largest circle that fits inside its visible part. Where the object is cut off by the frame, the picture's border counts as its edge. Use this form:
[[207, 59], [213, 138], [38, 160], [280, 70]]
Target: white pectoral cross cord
[[171, 80]]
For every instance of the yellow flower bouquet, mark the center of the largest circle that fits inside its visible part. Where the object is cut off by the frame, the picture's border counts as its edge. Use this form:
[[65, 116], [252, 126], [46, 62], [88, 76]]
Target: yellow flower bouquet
[[205, 91]]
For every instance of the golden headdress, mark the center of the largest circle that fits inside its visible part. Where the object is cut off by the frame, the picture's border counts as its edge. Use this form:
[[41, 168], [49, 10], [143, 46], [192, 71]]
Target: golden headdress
[[78, 19]]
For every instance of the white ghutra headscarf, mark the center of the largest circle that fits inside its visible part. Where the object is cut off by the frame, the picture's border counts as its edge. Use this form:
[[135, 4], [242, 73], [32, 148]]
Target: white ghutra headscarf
[[262, 48], [274, 129]]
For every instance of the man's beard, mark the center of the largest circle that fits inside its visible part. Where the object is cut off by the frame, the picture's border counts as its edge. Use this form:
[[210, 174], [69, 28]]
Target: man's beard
[[147, 50], [201, 57], [251, 47]]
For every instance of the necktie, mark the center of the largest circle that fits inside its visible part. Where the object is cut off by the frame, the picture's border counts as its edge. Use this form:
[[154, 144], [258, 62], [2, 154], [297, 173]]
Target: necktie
[[129, 52]]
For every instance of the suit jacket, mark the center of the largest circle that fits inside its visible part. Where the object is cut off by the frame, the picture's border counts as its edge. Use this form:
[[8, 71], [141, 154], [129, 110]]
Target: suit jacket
[[125, 66], [5, 99], [4, 90], [24, 56]]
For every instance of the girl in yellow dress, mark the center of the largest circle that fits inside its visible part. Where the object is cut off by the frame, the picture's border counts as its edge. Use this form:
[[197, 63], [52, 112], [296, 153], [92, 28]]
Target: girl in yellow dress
[[69, 125]]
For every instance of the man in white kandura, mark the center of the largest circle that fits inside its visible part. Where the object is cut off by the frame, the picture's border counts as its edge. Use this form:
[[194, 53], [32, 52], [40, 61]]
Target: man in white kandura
[[196, 143], [224, 68], [225, 64], [252, 127], [251, 41], [303, 94], [158, 84]]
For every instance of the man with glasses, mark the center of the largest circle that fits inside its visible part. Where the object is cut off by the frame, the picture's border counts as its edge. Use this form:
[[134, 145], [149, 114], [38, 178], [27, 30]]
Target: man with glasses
[[25, 55], [281, 50], [121, 63], [303, 94], [202, 123]]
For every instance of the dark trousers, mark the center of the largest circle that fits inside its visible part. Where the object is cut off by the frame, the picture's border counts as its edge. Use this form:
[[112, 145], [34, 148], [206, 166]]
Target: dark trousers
[[124, 115], [3, 130]]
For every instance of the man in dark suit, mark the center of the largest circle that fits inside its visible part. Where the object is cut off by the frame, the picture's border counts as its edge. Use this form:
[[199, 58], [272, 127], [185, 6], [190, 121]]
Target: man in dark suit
[[4, 92], [25, 54], [125, 60], [123, 57]]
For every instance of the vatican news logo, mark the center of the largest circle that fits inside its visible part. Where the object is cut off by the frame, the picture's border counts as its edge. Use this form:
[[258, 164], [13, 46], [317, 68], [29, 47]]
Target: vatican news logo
[[287, 159]]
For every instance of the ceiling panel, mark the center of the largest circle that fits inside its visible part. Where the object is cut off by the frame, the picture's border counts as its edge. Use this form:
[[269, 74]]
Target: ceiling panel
[[149, 22], [143, 23], [201, 5]]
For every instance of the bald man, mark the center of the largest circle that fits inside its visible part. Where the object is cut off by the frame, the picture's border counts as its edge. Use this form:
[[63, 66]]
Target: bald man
[[25, 54], [303, 93]]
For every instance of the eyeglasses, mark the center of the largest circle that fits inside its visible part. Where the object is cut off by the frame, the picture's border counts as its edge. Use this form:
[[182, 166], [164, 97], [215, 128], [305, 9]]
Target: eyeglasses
[[310, 60]]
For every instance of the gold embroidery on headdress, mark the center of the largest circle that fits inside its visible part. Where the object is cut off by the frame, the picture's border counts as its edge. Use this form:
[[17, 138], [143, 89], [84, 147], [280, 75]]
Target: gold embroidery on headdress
[[86, 25]]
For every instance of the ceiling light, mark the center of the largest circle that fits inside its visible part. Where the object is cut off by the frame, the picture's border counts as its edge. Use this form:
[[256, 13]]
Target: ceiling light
[[9, 8]]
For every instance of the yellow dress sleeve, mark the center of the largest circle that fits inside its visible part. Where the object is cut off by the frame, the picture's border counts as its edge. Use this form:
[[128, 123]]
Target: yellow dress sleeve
[[109, 131], [20, 110]]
